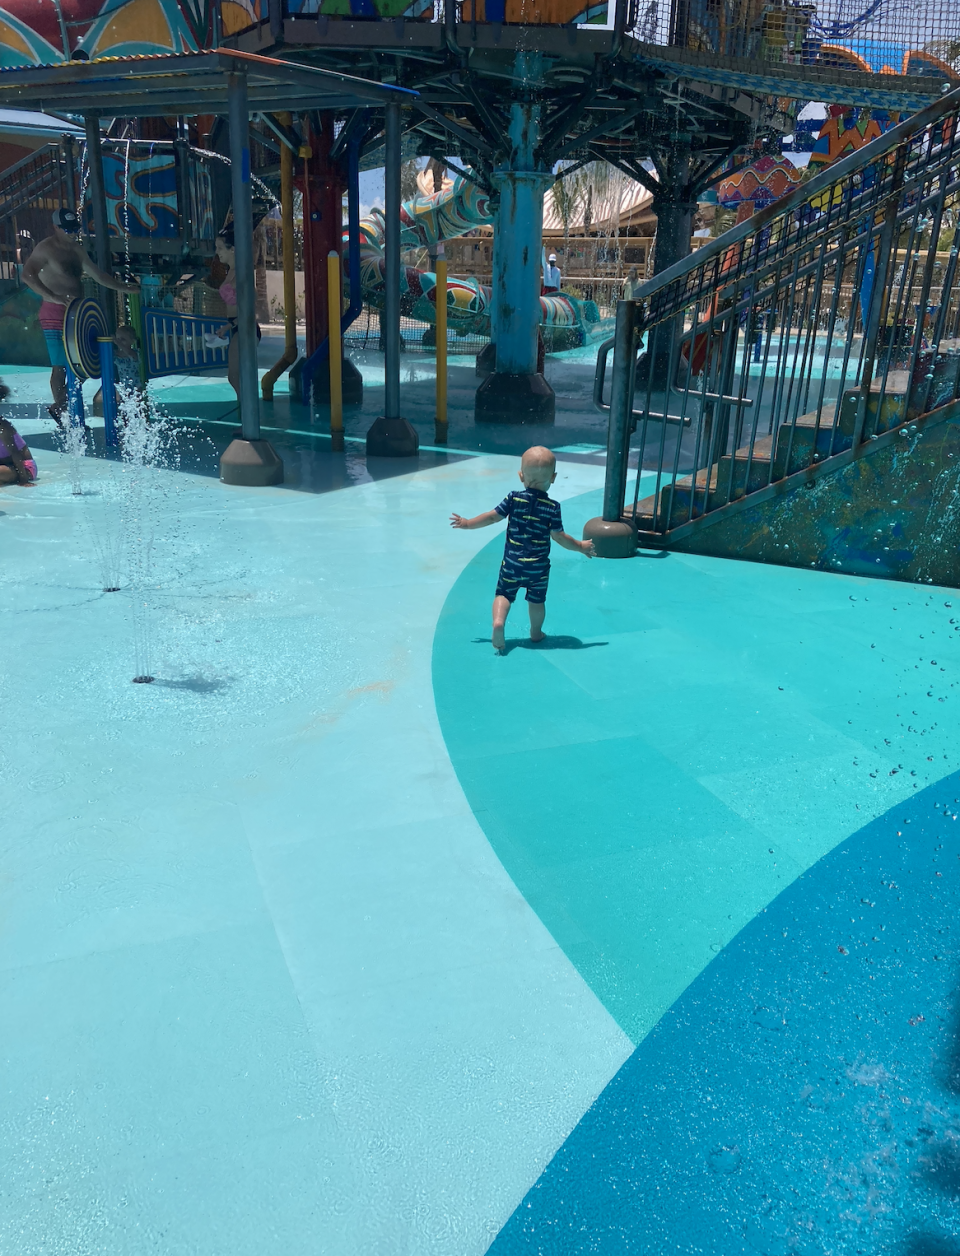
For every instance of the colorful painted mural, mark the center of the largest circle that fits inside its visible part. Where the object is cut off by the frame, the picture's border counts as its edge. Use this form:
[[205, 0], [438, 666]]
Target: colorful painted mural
[[536, 12], [368, 9], [526, 12], [140, 180], [39, 32], [845, 130], [141, 194], [759, 184]]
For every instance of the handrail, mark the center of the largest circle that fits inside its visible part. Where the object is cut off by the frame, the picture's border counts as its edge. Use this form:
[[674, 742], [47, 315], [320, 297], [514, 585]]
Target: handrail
[[805, 332], [7, 174], [822, 182], [35, 176]]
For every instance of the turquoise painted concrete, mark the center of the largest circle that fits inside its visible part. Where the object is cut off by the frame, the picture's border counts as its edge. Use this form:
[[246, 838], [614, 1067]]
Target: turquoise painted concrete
[[698, 733], [288, 964], [266, 989]]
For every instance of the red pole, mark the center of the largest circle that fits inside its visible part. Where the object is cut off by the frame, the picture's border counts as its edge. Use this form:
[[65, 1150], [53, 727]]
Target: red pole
[[323, 186]]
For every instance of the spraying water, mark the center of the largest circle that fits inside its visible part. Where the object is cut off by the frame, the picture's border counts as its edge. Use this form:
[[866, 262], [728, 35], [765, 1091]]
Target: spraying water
[[148, 446], [72, 438]]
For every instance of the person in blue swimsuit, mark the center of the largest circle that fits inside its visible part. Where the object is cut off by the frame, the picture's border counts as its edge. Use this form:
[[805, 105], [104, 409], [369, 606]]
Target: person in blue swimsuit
[[533, 522]]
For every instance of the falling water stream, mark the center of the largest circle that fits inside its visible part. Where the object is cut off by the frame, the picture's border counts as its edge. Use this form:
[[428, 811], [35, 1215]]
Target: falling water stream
[[127, 505]]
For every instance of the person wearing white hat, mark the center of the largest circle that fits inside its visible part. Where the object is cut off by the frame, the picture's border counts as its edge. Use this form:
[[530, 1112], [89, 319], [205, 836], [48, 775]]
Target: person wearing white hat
[[551, 275]]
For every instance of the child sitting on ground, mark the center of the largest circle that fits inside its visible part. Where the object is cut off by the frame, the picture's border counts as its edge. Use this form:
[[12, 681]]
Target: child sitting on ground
[[16, 461], [534, 520]]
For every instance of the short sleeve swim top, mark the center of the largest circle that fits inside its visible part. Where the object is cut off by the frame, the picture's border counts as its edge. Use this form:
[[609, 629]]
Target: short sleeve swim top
[[4, 449], [533, 516]]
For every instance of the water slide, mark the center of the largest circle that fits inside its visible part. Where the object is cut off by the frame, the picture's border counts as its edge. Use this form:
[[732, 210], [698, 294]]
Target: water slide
[[434, 216]]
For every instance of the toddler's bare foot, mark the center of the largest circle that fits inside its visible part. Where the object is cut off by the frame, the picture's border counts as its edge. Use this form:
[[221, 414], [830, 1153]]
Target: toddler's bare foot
[[537, 635], [497, 639]]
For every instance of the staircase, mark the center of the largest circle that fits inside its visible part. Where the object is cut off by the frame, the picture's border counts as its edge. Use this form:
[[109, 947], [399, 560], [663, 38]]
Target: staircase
[[796, 352], [29, 193]]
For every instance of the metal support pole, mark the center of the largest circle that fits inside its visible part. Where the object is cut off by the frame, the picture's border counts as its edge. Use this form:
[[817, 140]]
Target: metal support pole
[[243, 258], [621, 410], [247, 460], [441, 302], [390, 436], [391, 249], [99, 197], [612, 535], [70, 172], [335, 308]]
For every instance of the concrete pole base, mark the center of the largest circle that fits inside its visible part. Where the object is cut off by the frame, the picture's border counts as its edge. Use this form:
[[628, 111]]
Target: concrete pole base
[[487, 360], [352, 382], [250, 463], [611, 540], [350, 375], [515, 399], [392, 438]]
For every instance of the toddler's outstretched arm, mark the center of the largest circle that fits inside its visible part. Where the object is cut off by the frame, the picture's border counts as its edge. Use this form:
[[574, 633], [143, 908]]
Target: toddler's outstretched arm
[[571, 543], [478, 521]]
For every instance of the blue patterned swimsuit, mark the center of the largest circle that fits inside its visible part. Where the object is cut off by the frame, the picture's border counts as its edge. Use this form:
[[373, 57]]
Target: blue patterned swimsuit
[[532, 517]]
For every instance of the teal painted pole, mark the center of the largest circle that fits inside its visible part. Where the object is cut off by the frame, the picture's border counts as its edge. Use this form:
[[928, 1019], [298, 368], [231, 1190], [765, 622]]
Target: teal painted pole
[[519, 243], [516, 392]]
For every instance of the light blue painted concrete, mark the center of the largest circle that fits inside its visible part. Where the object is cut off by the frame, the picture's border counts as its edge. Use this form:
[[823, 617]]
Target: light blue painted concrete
[[699, 732], [267, 990]]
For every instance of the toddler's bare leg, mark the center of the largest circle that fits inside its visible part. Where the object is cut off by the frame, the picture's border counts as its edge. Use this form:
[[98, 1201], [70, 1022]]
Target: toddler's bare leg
[[501, 609], [537, 612]]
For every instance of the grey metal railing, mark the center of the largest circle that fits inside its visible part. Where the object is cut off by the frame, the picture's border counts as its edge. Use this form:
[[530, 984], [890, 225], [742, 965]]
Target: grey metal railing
[[804, 332], [29, 191]]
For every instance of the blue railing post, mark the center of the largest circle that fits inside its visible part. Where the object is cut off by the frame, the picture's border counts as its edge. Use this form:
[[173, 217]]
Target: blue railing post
[[108, 391]]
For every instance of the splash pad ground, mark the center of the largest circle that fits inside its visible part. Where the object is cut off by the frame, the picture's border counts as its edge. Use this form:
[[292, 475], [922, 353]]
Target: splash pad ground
[[344, 936]]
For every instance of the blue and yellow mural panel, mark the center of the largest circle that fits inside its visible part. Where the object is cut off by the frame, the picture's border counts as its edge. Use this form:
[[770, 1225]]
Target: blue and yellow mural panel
[[39, 32]]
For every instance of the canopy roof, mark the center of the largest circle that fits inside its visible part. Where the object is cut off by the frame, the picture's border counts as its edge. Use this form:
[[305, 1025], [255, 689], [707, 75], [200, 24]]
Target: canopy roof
[[25, 122], [186, 83]]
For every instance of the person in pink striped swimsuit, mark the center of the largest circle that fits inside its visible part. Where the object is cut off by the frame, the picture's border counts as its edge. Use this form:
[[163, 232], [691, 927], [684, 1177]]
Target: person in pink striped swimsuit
[[54, 272]]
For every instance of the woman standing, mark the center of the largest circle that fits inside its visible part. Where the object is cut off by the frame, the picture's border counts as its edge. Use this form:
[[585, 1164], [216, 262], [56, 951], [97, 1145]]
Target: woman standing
[[226, 254]]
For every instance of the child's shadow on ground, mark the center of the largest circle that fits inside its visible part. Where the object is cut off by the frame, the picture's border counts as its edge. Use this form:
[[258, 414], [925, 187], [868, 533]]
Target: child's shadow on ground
[[549, 642]]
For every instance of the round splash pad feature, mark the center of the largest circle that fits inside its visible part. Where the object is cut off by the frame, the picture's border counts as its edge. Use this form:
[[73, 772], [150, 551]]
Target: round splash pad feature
[[83, 324]]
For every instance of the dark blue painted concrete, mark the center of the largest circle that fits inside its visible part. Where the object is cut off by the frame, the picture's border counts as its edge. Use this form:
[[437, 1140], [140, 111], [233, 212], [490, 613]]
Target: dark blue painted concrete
[[803, 1095]]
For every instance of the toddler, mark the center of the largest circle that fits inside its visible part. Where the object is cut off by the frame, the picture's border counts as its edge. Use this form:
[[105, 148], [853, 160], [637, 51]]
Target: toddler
[[126, 357], [16, 461], [534, 520]]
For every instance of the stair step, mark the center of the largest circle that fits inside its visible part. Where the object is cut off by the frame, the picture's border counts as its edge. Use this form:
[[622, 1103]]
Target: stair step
[[814, 438]]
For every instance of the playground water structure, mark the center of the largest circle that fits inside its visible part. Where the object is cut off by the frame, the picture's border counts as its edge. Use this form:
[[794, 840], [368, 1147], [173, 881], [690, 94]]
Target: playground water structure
[[294, 962], [428, 219]]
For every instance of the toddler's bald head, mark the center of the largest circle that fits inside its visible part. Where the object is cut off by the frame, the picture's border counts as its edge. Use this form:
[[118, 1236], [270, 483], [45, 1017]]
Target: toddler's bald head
[[538, 467]]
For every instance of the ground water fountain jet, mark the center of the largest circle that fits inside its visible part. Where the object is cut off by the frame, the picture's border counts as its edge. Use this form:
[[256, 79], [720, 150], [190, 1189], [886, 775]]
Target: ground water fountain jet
[[148, 445]]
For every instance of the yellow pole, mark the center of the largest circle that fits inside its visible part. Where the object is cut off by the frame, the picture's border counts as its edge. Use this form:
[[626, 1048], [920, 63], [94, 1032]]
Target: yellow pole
[[441, 290], [289, 271], [334, 313]]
